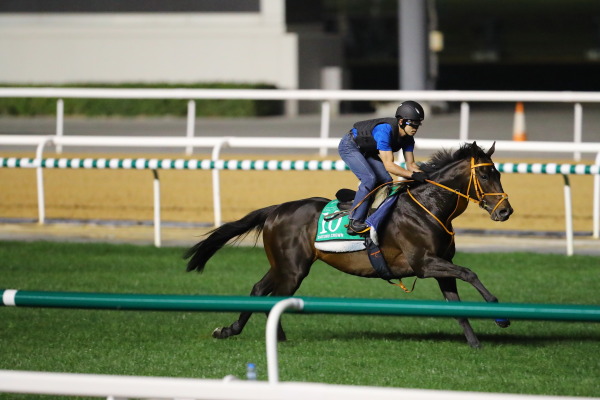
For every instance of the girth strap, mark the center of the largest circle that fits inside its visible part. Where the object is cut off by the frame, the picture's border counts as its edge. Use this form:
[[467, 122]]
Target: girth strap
[[381, 267], [377, 260]]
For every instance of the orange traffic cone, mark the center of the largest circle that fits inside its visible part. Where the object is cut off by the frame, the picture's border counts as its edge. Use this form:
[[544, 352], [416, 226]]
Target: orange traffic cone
[[519, 134]]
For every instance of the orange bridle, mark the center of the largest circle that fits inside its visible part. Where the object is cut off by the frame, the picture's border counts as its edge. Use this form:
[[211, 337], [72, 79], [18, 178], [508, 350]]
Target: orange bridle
[[479, 192]]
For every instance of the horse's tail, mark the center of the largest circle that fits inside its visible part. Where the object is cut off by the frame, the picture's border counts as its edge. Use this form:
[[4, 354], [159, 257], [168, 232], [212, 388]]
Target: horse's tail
[[218, 237]]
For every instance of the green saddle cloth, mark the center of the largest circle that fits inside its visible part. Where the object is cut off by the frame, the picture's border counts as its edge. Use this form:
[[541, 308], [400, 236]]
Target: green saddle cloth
[[334, 229]]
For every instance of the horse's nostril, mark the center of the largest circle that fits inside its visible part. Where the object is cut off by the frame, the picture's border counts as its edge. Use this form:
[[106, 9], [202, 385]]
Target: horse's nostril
[[505, 212]]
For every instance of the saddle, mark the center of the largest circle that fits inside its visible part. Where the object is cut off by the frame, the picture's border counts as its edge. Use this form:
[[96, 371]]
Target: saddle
[[334, 219], [345, 198]]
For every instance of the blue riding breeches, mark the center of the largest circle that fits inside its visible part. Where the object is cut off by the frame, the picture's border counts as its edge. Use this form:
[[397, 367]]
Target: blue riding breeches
[[369, 170]]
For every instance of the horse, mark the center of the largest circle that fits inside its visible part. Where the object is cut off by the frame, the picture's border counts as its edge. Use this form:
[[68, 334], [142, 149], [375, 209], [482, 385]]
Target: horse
[[416, 239]]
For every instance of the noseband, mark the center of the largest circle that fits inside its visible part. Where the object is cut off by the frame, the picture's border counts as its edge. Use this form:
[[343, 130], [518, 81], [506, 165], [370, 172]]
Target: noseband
[[479, 190], [474, 182]]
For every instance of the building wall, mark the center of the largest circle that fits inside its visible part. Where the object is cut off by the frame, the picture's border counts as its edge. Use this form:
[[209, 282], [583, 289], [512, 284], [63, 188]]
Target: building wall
[[176, 47]]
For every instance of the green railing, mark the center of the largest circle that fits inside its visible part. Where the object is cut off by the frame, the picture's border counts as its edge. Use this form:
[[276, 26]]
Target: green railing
[[312, 305], [276, 306]]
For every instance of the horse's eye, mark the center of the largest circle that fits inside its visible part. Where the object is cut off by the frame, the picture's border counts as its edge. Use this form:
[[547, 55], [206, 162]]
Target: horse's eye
[[484, 177]]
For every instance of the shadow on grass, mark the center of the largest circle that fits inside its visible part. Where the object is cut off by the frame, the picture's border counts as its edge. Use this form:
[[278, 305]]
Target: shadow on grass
[[495, 338]]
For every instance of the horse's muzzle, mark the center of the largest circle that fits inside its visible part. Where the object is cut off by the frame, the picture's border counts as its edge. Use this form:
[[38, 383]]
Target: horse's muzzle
[[502, 213]]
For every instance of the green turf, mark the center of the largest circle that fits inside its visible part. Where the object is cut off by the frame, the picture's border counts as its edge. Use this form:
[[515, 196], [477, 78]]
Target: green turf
[[555, 358]]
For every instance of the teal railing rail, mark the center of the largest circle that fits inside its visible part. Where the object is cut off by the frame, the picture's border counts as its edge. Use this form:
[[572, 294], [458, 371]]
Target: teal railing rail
[[312, 305]]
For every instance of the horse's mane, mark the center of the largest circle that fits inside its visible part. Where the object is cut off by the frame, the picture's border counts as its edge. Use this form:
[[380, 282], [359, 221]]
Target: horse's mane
[[445, 157]]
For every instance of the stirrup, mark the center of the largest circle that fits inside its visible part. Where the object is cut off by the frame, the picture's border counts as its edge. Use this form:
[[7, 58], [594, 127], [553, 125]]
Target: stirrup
[[362, 229]]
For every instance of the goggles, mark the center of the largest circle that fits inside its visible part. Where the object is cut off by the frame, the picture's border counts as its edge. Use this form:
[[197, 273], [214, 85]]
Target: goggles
[[413, 123]]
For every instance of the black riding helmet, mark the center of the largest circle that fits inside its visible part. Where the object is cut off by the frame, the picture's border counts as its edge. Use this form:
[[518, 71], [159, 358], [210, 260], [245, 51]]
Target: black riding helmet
[[410, 110]]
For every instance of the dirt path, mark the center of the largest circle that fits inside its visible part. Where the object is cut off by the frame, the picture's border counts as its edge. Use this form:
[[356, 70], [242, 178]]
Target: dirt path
[[186, 196]]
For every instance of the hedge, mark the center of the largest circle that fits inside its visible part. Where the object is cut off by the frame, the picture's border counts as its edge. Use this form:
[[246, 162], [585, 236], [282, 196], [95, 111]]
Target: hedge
[[137, 107]]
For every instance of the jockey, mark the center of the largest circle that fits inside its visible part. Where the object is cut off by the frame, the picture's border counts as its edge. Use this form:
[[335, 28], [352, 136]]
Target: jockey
[[368, 150]]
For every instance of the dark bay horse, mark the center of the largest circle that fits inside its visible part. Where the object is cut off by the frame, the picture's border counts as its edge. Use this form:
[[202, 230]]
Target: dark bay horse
[[416, 240]]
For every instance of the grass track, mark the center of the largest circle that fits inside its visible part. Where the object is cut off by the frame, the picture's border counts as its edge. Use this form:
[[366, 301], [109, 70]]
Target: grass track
[[529, 357]]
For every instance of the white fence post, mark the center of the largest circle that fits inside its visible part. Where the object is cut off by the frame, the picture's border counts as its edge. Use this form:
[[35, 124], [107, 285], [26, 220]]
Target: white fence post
[[40, 180], [464, 122], [156, 186], [60, 113], [325, 119], [577, 129], [191, 122], [596, 206], [217, 182], [568, 216], [271, 334]]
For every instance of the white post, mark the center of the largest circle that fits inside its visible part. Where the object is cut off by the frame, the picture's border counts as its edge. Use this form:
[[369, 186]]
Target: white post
[[217, 183], [40, 180], [568, 216], [596, 210], [577, 129], [325, 117], [331, 79], [216, 197], [271, 334], [191, 121], [157, 241], [464, 121], [60, 112]]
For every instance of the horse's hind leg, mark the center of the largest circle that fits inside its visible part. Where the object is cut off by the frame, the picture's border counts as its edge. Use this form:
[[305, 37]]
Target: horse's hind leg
[[450, 291], [287, 287], [261, 288]]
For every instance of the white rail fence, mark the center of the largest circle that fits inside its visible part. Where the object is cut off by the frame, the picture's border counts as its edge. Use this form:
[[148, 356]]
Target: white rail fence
[[216, 165], [114, 387], [325, 97], [123, 387]]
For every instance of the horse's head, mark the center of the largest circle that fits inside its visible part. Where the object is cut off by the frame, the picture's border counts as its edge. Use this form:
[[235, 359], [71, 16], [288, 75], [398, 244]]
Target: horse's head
[[485, 185], [472, 169]]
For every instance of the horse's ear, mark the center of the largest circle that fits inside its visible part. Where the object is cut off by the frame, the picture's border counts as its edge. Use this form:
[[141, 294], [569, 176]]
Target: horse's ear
[[474, 149], [491, 150]]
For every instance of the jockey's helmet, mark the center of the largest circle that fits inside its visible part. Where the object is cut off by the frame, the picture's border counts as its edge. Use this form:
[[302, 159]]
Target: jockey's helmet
[[410, 110]]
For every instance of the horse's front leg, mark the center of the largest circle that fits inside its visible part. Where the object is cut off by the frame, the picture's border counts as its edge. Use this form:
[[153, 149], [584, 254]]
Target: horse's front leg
[[436, 267], [450, 291]]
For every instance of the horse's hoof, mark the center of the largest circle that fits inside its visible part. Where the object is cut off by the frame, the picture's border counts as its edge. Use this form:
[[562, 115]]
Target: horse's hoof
[[218, 333], [475, 344], [502, 322]]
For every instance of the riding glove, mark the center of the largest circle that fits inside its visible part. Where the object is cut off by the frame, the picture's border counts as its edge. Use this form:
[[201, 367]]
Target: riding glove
[[419, 176]]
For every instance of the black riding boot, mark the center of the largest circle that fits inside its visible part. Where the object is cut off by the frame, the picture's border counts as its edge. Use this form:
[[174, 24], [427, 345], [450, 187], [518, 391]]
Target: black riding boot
[[356, 227]]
